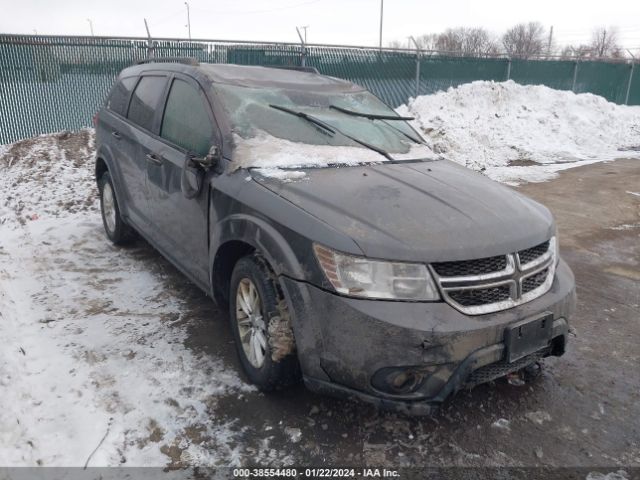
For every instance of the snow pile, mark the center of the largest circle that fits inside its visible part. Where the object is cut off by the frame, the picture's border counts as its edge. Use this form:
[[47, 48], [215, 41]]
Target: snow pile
[[511, 132], [94, 353], [507, 128], [58, 164]]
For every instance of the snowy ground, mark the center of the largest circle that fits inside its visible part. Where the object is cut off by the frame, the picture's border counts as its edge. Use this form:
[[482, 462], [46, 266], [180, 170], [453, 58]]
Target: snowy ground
[[94, 364], [92, 350], [517, 133]]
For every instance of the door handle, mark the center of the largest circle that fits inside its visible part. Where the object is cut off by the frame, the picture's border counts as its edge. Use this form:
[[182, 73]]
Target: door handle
[[153, 158], [116, 134]]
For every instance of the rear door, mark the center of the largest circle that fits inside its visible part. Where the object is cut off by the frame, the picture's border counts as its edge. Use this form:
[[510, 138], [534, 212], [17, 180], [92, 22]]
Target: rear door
[[115, 131], [143, 115], [187, 128]]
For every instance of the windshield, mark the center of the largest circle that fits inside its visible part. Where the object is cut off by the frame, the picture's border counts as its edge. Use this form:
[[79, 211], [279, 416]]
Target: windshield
[[254, 112]]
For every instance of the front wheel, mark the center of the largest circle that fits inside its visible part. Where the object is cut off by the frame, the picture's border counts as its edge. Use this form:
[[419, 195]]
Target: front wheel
[[114, 226], [261, 326]]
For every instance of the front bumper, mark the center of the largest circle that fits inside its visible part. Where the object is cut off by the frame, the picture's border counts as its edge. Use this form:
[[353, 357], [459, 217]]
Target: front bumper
[[343, 342]]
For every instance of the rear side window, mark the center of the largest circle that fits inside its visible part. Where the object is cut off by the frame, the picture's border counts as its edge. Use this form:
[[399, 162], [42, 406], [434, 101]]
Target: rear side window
[[145, 101], [186, 122], [119, 98]]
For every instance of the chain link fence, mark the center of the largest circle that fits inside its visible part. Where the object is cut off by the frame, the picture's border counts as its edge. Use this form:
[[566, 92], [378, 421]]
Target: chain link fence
[[52, 83]]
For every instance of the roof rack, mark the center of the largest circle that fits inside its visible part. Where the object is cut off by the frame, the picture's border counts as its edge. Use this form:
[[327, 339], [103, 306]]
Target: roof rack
[[184, 60], [294, 67]]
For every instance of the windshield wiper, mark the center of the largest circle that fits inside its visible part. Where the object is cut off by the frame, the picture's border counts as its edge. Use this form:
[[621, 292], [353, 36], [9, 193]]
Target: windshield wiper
[[370, 116], [384, 118], [333, 129], [308, 118]]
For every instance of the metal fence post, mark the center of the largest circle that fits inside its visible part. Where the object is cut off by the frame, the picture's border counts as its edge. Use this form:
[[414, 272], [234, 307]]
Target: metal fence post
[[303, 54], [150, 52], [417, 65], [626, 97], [509, 68], [633, 64], [575, 76]]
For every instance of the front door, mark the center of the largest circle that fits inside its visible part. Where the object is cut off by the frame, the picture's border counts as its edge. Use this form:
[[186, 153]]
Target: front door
[[187, 128]]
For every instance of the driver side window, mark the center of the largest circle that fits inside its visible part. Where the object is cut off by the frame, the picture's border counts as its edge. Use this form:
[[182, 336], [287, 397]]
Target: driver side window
[[185, 122]]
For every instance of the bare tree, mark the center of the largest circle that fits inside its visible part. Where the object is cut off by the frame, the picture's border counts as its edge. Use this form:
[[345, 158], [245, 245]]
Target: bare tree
[[466, 41], [478, 41], [525, 40], [427, 41], [604, 43], [456, 41]]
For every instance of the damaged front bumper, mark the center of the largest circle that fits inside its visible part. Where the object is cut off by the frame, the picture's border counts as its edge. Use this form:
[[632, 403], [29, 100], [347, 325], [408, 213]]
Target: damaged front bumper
[[410, 356]]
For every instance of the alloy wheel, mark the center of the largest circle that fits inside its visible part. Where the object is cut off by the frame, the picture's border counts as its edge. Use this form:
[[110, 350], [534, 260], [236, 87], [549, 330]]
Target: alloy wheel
[[251, 325], [109, 207]]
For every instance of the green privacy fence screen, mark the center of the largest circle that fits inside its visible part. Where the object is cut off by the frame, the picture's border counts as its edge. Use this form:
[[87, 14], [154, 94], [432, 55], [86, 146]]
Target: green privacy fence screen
[[52, 83]]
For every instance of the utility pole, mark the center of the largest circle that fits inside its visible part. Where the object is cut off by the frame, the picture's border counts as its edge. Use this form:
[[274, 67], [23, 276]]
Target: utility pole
[[90, 26], [550, 41], [188, 19], [381, 14], [305, 32]]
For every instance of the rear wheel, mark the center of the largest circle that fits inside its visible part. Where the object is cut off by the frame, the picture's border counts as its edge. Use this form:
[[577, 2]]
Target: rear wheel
[[114, 226], [261, 326]]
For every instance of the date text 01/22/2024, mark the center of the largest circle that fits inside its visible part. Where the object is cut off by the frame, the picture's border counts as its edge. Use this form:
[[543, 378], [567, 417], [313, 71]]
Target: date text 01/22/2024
[[315, 473]]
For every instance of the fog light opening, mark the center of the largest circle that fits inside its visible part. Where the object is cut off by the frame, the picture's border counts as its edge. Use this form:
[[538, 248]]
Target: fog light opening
[[399, 380]]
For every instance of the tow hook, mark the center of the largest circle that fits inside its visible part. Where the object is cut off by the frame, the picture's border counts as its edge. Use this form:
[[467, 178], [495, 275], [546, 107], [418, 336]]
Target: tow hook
[[525, 375]]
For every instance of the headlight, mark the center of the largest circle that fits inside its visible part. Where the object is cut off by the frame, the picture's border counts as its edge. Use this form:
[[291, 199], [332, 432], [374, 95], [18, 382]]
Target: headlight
[[361, 277], [553, 250]]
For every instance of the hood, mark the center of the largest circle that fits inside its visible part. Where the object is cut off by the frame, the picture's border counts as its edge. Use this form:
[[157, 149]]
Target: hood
[[429, 211]]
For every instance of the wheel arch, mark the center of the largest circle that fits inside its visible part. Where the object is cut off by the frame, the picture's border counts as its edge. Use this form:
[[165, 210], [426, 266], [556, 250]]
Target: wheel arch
[[240, 235], [105, 163]]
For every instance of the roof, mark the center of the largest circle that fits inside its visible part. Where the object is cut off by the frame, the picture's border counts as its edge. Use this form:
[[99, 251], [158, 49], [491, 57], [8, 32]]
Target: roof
[[265, 77], [253, 76]]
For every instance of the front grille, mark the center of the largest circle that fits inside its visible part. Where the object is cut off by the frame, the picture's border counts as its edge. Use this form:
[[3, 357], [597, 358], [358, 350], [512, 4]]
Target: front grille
[[530, 254], [534, 281], [499, 369], [486, 285], [475, 297], [463, 268]]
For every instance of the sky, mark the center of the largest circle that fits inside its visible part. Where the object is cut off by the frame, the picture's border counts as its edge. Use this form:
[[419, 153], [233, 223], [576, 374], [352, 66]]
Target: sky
[[351, 22]]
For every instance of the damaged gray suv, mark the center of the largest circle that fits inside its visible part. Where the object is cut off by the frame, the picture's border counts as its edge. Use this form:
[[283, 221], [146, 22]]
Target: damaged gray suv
[[348, 254]]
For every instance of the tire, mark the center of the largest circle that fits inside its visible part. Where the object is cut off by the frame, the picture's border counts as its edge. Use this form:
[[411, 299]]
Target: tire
[[114, 226], [278, 368]]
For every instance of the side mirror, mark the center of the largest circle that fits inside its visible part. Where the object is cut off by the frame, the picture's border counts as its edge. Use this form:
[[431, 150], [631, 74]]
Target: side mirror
[[209, 160]]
